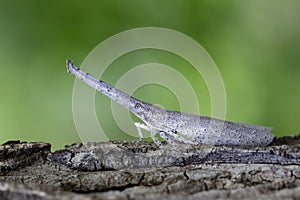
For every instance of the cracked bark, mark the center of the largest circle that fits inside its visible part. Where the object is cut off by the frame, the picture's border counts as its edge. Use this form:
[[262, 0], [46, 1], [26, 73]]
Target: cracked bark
[[128, 170]]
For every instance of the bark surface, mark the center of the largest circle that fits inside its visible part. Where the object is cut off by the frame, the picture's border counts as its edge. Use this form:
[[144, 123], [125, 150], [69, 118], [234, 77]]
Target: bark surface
[[140, 170]]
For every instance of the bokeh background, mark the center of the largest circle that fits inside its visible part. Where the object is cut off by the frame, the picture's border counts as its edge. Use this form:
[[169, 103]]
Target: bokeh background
[[255, 44]]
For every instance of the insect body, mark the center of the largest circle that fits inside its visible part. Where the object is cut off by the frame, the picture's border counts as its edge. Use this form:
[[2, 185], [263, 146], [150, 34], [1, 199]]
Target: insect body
[[178, 126]]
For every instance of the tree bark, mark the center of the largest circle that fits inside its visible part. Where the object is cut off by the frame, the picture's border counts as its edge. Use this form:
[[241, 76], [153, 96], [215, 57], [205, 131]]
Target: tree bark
[[140, 170]]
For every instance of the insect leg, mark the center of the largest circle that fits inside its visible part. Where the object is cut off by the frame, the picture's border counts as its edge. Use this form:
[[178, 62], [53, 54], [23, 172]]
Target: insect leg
[[140, 126], [179, 138], [168, 138], [155, 140]]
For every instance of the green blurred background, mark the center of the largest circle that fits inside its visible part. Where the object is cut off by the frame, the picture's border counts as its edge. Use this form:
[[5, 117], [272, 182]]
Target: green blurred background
[[255, 44]]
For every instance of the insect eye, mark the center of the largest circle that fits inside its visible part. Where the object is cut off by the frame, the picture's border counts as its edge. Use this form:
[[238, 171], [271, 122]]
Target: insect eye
[[138, 105]]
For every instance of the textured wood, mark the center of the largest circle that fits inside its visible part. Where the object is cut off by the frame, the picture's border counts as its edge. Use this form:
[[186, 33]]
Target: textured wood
[[128, 170], [14, 154]]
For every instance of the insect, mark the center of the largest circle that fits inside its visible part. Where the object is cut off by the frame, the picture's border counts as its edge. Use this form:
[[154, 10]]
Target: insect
[[173, 126]]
